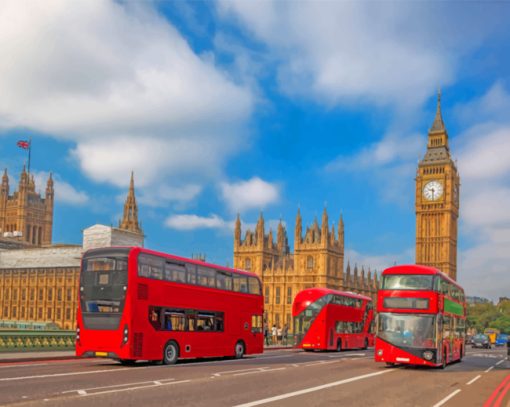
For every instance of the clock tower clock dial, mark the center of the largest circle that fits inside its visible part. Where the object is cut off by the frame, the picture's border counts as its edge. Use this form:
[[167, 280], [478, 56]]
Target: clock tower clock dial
[[433, 190], [437, 202]]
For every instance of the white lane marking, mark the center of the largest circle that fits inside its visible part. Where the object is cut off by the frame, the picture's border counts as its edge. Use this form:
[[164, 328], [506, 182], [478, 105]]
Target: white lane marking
[[489, 369], [26, 365], [501, 361], [312, 389], [136, 388], [321, 362], [218, 374], [41, 376], [157, 382], [117, 385], [440, 403], [473, 380], [82, 392], [260, 371]]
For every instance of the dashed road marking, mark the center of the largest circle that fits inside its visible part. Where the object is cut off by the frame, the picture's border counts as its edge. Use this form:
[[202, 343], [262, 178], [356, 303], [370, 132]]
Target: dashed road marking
[[453, 394], [473, 380]]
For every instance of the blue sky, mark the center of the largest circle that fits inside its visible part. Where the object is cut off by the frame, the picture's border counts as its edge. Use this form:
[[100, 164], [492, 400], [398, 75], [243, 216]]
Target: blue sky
[[225, 107]]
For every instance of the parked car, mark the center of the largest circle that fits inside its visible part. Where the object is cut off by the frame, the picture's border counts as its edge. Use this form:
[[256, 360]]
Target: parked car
[[501, 340], [481, 341]]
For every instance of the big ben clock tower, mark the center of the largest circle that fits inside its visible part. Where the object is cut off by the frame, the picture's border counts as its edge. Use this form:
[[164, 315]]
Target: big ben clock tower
[[437, 202]]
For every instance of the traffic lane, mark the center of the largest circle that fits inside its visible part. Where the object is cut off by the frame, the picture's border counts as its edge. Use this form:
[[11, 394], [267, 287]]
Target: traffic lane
[[37, 384], [215, 385], [409, 386]]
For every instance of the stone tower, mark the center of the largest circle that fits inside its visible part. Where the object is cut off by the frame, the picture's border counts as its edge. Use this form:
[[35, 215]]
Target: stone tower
[[437, 202], [319, 255], [129, 220], [25, 215]]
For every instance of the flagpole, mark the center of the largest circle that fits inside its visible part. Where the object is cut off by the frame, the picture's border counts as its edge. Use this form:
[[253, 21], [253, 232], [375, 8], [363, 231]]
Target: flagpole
[[29, 151]]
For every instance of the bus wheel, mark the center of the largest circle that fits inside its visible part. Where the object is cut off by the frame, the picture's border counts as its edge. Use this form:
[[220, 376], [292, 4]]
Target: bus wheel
[[127, 362], [239, 350], [171, 353], [365, 346], [339, 346]]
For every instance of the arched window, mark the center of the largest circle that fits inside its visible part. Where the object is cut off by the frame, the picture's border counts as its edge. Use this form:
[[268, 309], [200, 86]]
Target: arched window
[[247, 264], [309, 262]]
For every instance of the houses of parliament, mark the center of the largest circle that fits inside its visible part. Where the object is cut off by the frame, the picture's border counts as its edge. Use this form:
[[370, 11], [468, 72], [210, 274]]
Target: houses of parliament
[[39, 280]]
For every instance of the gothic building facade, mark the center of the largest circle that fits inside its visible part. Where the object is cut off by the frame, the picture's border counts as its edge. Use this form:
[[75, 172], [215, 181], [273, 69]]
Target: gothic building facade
[[40, 284], [437, 202], [26, 215], [317, 261]]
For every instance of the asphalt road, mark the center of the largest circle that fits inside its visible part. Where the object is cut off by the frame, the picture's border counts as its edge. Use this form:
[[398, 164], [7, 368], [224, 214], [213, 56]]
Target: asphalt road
[[276, 378]]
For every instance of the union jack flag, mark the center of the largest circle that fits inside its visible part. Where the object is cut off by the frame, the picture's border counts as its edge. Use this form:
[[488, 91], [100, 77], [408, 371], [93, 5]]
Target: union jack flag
[[25, 145]]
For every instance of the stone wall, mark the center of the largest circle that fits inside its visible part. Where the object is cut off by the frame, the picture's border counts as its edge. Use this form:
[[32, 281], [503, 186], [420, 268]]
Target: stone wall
[[41, 258]]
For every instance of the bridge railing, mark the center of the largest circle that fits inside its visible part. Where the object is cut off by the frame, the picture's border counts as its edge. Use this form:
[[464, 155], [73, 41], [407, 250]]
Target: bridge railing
[[20, 341]]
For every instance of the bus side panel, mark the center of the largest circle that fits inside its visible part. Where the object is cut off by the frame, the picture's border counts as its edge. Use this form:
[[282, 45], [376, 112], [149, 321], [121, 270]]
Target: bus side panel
[[340, 313]]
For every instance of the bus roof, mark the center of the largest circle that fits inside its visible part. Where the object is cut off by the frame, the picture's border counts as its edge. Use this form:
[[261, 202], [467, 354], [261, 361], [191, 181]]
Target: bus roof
[[318, 292], [418, 269], [172, 257]]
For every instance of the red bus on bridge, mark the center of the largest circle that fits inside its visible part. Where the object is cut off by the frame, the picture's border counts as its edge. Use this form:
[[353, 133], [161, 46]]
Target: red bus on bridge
[[138, 304], [326, 319], [421, 317]]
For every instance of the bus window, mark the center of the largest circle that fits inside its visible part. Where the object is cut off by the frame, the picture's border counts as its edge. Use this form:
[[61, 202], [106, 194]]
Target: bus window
[[223, 280], [254, 286], [175, 272], [206, 276], [191, 273], [240, 283]]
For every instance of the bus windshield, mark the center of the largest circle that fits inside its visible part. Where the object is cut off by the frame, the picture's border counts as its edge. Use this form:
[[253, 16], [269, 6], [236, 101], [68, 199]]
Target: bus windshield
[[103, 285], [415, 331], [303, 321], [408, 282]]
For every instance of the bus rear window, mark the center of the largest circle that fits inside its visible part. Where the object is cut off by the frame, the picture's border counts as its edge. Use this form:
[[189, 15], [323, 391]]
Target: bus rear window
[[408, 282]]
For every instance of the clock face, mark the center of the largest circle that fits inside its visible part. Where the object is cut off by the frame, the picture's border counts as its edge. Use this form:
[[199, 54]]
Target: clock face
[[433, 190]]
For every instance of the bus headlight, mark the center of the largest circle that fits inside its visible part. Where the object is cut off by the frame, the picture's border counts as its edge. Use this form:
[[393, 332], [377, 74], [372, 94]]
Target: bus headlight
[[379, 352], [428, 355], [125, 335]]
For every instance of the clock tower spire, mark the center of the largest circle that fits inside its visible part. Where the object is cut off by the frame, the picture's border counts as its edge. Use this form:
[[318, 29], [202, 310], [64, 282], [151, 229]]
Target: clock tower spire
[[437, 201]]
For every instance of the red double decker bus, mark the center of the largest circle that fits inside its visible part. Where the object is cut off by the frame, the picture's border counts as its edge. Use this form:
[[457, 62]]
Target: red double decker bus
[[326, 319], [137, 304], [421, 317]]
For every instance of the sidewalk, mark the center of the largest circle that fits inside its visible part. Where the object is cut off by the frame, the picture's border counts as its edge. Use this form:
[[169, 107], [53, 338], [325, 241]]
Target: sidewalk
[[34, 356], [69, 354]]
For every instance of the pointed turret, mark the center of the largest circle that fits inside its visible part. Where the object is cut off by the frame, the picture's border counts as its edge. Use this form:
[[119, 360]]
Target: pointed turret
[[341, 232], [237, 231], [324, 227], [298, 231], [260, 230], [5, 184], [130, 217], [281, 238], [23, 179], [438, 124]]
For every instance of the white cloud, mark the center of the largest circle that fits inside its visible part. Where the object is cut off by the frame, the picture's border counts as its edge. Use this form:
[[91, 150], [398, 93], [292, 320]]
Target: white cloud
[[484, 156], [163, 194], [192, 222], [391, 149], [122, 83], [254, 193], [386, 53], [65, 193]]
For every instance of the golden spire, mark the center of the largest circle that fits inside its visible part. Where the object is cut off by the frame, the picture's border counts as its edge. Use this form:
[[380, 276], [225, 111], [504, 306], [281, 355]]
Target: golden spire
[[438, 124], [130, 218]]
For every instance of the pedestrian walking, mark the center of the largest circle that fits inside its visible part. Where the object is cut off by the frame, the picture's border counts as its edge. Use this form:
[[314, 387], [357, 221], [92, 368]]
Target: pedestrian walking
[[279, 335], [274, 333], [285, 334], [266, 334]]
